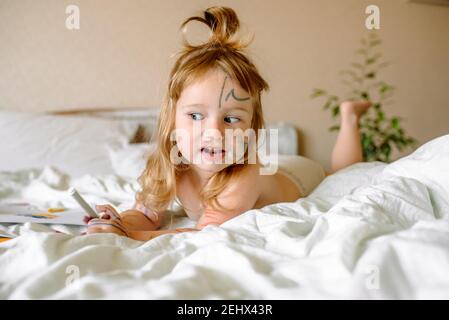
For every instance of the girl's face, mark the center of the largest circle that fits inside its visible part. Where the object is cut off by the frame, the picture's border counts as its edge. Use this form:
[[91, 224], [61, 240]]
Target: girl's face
[[209, 109]]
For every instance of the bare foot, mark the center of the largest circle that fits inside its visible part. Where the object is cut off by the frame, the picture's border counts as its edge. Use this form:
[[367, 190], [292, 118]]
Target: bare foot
[[354, 109]]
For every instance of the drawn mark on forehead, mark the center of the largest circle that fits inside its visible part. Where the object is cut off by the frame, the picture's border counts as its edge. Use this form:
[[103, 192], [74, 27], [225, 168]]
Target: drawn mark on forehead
[[232, 93], [221, 93]]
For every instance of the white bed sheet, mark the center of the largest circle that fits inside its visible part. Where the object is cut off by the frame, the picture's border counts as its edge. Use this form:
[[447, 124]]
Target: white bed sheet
[[370, 231]]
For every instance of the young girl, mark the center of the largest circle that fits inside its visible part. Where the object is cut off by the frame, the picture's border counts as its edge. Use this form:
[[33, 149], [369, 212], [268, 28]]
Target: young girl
[[214, 88]]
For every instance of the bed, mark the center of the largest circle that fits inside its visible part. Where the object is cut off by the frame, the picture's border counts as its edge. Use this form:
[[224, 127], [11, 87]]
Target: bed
[[369, 231]]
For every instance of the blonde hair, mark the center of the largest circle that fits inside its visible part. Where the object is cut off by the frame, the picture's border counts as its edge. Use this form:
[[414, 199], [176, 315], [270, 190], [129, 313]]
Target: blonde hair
[[158, 180]]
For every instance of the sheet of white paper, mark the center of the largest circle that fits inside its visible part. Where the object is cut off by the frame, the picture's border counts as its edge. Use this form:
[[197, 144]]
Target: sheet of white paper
[[24, 212]]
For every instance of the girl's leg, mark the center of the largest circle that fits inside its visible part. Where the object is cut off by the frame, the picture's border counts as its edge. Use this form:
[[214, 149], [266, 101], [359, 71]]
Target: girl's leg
[[348, 148]]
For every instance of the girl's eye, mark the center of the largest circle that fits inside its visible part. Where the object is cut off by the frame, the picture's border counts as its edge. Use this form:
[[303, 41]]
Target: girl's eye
[[232, 119], [196, 116]]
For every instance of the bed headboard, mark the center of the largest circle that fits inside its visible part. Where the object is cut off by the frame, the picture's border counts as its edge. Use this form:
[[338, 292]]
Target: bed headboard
[[145, 118]]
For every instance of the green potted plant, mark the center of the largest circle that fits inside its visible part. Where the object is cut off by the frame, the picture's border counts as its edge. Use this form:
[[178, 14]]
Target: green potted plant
[[379, 133]]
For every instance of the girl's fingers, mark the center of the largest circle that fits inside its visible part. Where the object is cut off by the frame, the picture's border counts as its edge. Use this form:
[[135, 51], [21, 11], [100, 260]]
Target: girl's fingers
[[105, 216], [104, 208], [108, 209], [98, 220]]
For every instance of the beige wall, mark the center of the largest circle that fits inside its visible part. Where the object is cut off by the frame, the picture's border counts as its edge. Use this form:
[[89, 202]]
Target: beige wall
[[121, 57]]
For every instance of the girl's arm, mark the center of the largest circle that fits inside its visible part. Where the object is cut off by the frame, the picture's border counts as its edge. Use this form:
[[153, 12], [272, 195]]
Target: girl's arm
[[134, 223], [138, 220], [239, 196], [146, 220]]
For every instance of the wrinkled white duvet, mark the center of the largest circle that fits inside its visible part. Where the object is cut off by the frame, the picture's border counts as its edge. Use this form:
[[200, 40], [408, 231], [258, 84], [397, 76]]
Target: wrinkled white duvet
[[371, 231]]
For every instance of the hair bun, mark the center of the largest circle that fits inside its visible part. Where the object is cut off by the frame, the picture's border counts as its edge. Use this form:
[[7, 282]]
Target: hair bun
[[223, 23]]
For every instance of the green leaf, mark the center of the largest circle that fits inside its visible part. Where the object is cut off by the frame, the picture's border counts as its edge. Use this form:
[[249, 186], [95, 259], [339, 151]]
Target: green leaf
[[318, 93], [385, 149], [370, 75], [335, 111], [334, 128], [383, 88], [395, 123], [380, 116], [373, 59], [364, 95], [374, 43]]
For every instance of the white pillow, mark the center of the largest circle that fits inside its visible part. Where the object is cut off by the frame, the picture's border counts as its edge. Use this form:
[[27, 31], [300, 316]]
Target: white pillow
[[130, 160], [74, 145]]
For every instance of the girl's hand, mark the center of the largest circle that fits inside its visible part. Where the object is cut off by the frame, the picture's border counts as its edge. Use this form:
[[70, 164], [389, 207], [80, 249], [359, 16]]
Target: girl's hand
[[129, 220], [106, 211], [107, 226], [109, 221]]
